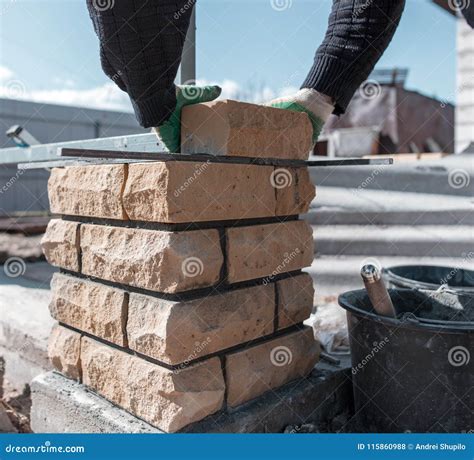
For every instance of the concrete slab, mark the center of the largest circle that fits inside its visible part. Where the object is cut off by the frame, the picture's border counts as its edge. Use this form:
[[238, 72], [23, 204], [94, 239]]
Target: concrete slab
[[350, 206], [433, 176], [61, 405], [25, 325], [395, 240]]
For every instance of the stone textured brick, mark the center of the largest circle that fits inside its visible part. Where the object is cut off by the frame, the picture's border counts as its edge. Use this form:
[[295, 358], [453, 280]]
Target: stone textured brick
[[180, 332], [241, 129], [164, 398], [260, 251], [60, 244], [91, 307], [64, 351], [294, 190], [257, 369], [94, 190], [295, 299], [184, 191], [157, 260]]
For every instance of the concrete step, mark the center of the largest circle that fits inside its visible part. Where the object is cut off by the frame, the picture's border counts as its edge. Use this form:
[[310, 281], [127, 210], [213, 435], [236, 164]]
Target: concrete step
[[333, 275], [396, 240], [349, 206]]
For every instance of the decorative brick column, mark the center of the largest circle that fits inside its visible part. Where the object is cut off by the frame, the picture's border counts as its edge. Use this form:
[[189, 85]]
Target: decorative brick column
[[181, 292]]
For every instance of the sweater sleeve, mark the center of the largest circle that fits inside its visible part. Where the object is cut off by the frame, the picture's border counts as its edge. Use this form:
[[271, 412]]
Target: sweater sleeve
[[358, 33]]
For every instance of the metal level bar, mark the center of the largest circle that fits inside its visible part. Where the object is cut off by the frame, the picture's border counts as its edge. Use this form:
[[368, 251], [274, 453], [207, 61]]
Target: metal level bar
[[89, 156]]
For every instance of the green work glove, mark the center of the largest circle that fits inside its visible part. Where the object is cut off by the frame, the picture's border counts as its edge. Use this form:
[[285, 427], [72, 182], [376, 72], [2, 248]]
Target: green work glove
[[170, 131], [316, 105]]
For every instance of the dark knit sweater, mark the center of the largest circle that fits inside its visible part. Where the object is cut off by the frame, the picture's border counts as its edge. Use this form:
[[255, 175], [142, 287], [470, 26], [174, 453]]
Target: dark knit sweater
[[141, 42]]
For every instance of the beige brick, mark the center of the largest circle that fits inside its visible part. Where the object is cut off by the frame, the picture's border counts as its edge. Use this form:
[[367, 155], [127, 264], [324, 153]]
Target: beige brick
[[294, 190], [295, 299], [179, 192], [60, 244], [167, 399], [241, 129], [266, 366], [180, 332], [157, 260], [91, 307], [64, 351], [94, 190], [260, 251]]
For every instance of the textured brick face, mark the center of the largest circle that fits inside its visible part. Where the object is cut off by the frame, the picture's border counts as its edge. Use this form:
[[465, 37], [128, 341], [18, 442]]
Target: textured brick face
[[167, 399], [260, 251], [60, 244], [255, 370], [94, 190], [241, 129], [91, 307], [64, 351], [179, 332], [156, 260], [295, 300], [179, 192]]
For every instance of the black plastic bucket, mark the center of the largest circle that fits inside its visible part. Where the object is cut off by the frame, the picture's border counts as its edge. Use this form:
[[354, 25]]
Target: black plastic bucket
[[430, 277], [413, 373]]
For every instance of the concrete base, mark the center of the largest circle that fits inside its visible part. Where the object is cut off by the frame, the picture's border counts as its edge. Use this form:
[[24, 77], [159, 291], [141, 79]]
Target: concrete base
[[61, 405]]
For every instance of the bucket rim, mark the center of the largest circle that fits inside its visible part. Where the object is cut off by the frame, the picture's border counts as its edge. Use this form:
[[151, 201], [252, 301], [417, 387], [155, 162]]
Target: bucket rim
[[408, 319], [393, 277]]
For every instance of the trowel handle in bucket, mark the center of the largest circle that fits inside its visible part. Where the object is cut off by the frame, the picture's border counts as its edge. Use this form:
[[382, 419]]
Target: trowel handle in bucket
[[377, 291]]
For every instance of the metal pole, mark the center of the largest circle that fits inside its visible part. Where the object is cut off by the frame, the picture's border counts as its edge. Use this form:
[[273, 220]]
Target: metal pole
[[188, 60]]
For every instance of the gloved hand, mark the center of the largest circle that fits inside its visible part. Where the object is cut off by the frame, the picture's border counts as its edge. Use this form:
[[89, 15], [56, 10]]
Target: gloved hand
[[316, 105], [170, 131]]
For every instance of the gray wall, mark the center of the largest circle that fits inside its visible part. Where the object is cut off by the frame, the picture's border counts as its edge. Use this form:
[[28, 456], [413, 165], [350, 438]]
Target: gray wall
[[50, 123]]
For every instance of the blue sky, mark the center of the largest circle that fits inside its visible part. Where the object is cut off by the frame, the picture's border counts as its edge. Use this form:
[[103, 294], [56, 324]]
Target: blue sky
[[49, 51]]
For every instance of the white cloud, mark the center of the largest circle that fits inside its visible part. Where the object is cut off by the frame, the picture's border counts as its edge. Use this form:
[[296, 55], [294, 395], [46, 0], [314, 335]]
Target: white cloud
[[5, 73], [109, 97]]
